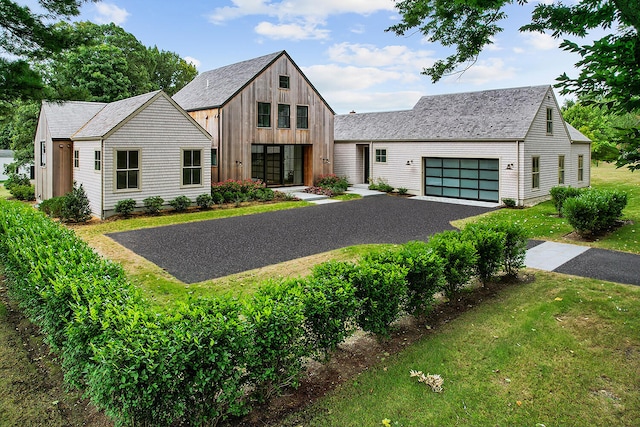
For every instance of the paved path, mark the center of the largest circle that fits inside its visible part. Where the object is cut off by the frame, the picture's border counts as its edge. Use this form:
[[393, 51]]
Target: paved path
[[205, 250], [583, 261]]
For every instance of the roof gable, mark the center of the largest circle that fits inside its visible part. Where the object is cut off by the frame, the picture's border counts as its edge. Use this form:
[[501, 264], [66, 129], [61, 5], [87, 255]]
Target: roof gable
[[575, 135], [112, 115], [215, 87], [65, 118], [501, 114]]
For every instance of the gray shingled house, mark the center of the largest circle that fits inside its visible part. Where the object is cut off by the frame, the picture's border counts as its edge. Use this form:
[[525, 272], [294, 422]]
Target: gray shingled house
[[130, 149], [267, 120], [487, 146]]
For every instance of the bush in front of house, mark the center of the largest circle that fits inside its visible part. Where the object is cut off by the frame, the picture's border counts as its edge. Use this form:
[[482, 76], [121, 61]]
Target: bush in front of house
[[515, 246], [337, 184], [560, 194], [380, 185], [489, 245], [16, 179], [320, 191], [52, 207], [594, 211], [76, 206], [125, 207], [234, 191], [459, 257], [26, 193], [153, 205], [509, 203], [180, 203], [204, 201], [425, 276]]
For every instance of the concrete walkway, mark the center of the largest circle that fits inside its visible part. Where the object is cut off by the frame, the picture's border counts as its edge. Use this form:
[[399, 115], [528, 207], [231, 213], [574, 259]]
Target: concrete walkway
[[602, 264]]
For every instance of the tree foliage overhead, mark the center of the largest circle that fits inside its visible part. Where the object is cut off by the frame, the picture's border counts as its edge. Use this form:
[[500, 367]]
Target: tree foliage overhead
[[609, 67]]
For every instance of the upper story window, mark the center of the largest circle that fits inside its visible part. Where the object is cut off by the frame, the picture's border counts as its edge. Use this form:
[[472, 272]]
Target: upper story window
[[535, 172], [97, 160], [127, 169], [284, 116], [283, 82], [302, 117], [76, 158], [264, 115], [549, 121], [381, 155], [192, 167]]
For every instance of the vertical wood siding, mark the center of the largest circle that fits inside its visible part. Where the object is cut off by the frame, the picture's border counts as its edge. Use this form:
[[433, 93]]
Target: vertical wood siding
[[160, 132]]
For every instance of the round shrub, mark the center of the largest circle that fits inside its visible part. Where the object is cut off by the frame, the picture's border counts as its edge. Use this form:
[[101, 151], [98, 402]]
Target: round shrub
[[559, 194], [153, 204], [459, 257], [52, 207], [125, 207], [76, 205], [204, 201], [180, 203], [25, 193], [489, 245]]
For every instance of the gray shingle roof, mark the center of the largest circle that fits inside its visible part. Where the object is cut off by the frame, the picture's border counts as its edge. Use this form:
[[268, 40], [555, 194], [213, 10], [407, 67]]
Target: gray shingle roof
[[501, 114], [111, 115], [576, 135], [65, 118], [214, 88]]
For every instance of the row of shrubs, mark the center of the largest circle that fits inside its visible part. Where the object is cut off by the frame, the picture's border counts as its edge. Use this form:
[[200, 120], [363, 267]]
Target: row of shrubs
[[205, 360], [589, 210], [329, 185], [381, 185], [20, 187]]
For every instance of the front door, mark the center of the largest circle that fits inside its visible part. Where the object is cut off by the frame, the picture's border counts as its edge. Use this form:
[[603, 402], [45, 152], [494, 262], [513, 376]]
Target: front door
[[365, 160], [278, 165]]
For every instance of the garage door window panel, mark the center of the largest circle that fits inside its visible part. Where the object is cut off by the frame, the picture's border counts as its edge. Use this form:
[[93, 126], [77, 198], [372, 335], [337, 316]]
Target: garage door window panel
[[475, 179]]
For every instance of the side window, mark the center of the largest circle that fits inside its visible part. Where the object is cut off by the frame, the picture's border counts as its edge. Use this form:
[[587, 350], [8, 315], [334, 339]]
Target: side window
[[302, 117], [264, 115], [97, 160], [76, 158], [580, 168], [535, 172], [127, 169], [560, 169], [549, 121], [192, 167], [214, 157], [381, 155], [43, 153]]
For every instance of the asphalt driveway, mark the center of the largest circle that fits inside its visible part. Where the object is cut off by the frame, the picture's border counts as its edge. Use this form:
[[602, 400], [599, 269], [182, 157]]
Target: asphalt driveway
[[209, 249]]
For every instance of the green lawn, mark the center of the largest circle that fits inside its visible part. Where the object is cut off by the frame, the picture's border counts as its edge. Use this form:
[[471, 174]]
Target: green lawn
[[543, 222], [558, 351]]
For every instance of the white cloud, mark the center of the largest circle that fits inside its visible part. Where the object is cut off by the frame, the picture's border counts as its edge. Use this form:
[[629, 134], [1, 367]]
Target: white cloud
[[306, 31], [518, 50], [540, 41], [364, 102], [109, 12], [395, 57], [350, 78], [358, 29], [193, 61], [483, 72], [296, 9]]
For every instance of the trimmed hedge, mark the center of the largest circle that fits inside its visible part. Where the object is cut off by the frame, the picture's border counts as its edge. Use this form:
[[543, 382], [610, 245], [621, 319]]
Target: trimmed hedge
[[201, 361], [559, 194], [594, 211]]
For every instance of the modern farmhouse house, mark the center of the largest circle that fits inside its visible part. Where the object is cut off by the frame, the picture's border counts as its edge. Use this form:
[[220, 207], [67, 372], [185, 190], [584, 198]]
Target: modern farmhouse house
[[130, 149], [488, 146], [267, 120]]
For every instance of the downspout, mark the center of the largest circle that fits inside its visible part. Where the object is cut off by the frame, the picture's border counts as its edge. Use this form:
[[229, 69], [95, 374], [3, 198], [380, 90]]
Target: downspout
[[518, 163]]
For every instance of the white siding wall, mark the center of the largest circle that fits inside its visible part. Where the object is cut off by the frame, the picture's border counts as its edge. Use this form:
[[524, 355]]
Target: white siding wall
[[397, 173], [86, 174], [345, 162], [160, 132], [548, 147]]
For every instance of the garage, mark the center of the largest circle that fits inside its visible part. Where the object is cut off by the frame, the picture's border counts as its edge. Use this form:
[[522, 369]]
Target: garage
[[471, 179]]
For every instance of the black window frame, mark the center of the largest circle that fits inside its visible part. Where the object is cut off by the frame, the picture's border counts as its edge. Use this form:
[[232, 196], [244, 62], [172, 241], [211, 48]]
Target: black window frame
[[302, 121], [76, 159], [214, 157], [381, 155], [264, 115], [284, 82], [284, 116], [130, 172]]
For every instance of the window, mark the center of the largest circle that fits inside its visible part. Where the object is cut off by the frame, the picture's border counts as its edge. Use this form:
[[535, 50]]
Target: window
[[284, 116], [76, 158], [381, 155], [264, 115], [127, 169], [97, 160], [43, 153], [535, 172], [302, 117], [192, 167], [284, 82], [214, 157], [560, 169], [549, 121], [580, 167]]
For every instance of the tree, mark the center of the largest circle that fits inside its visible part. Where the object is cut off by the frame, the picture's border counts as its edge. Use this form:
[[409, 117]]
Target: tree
[[608, 67], [25, 35], [596, 123]]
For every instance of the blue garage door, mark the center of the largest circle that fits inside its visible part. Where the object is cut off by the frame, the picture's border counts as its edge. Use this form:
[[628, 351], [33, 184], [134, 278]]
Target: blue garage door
[[472, 179]]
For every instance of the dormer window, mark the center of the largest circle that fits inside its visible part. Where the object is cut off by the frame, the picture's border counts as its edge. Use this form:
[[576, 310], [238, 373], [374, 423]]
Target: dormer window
[[284, 82]]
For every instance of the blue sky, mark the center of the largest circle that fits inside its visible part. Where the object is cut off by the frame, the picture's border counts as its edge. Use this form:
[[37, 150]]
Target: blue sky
[[340, 45]]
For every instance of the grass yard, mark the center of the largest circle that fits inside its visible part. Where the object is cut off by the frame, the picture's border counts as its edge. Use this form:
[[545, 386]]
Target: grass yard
[[558, 351], [543, 222]]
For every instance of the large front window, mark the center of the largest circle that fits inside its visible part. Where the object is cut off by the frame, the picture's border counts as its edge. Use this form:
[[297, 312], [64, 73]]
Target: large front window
[[278, 164], [127, 169], [192, 167]]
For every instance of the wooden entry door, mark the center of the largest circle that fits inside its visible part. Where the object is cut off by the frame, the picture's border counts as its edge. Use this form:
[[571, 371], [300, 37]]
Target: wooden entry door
[[62, 168]]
